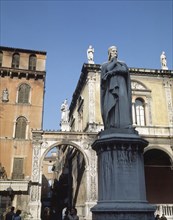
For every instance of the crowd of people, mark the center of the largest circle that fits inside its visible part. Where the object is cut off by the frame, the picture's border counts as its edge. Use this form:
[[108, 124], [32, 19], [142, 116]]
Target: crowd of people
[[69, 214], [163, 217]]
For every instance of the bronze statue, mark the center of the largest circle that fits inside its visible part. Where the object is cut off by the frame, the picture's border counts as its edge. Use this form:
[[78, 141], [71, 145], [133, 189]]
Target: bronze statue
[[115, 93]]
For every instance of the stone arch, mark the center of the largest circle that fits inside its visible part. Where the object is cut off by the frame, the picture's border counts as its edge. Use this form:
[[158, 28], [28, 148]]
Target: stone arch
[[87, 172], [136, 84], [43, 142], [158, 169], [162, 149], [66, 143]]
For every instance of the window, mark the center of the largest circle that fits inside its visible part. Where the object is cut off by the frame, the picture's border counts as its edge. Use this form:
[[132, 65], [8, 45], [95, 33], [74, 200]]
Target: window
[[20, 131], [15, 60], [1, 56], [141, 104], [32, 62], [18, 168], [23, 93], [140, 111]]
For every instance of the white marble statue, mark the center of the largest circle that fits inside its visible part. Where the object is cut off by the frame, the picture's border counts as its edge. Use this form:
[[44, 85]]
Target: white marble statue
[[5, 95], [64, 111], [163, 61], [90, 55]]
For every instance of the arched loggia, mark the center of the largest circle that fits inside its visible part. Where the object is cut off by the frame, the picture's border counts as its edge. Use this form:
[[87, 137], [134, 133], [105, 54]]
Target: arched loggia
[[159, 176], [63, 178]]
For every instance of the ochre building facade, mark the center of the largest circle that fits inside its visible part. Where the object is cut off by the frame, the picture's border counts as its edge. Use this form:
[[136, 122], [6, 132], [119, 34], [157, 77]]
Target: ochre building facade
[[22, 82]]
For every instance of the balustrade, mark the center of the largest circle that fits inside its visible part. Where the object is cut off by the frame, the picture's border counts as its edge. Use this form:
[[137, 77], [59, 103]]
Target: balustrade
[[166, 209]]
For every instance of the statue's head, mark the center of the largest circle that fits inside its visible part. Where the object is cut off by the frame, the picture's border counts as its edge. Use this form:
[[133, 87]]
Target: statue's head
[[112, 52]]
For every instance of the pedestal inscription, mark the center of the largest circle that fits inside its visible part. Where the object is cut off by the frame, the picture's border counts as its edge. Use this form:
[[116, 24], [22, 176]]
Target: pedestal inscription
[[121, 182]]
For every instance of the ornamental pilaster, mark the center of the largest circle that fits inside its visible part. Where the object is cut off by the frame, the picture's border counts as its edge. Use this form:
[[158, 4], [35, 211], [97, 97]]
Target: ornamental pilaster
[[167, 83], [91, 95]]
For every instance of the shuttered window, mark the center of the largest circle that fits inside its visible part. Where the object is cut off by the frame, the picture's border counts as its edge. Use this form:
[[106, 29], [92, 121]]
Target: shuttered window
[[18, 168], [23, 93], [32, 62], [15, 60], [20, 131]]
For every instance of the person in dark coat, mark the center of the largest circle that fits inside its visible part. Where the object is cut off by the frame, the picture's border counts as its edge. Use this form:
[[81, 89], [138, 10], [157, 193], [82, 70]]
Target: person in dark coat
[[10, 214], [163, 217]]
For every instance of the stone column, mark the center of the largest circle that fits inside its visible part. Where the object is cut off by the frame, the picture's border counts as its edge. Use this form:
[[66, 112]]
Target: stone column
[[121, 182], [133, 113], [35, 187], [91, 185]]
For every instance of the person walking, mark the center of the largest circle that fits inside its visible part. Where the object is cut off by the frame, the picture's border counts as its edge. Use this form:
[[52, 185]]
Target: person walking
[[17, 215], [163, 217], [10, 214], [73, 214]]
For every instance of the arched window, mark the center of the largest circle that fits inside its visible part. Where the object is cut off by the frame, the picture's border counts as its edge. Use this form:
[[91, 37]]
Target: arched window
[[32, 62], [20, 131], [1, 56], [15, 60], [23, 93], [140, 111]]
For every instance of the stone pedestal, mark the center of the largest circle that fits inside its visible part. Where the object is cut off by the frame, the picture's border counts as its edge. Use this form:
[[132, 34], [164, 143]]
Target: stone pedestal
[[121, 181]]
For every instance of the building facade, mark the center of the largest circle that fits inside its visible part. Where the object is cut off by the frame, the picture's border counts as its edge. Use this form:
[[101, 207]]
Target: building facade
[[69, 177], [152, 111], [22, 82]]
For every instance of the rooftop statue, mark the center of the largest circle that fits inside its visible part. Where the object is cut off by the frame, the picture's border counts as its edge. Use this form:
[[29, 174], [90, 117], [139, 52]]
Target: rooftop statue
[[163, 61], [64, 111], [115, 92], [90, 55]]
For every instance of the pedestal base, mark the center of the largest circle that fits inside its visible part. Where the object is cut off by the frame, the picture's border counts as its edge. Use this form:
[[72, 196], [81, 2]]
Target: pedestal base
[[126, 210], [121, 182]]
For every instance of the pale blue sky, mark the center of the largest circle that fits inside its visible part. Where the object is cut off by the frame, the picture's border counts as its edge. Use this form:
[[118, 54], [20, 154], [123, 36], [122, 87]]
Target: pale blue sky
[[140, 29]]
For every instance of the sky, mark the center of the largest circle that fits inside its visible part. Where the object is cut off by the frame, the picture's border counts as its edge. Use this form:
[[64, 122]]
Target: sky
[[141, 29]]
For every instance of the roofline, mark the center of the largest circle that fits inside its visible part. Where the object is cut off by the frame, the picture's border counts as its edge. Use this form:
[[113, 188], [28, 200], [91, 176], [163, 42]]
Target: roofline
[[97, 67], [22, 50]]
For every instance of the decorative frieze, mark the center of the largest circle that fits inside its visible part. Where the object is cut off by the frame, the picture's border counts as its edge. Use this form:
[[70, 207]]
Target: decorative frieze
[[167, 83], [91, 95], [36, 162], [93, 175]]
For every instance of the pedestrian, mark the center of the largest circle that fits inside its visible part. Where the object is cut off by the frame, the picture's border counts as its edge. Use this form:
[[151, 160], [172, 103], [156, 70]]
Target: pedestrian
[[17, 215], [73, 214], [10, 214], [157, 217], [163, 217], [66, 213], [46, 214]]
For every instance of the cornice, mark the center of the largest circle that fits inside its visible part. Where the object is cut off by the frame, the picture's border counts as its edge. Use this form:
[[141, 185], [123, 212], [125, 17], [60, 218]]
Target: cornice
[[15, 50], [86, 68], [151, 72], [21, 73]]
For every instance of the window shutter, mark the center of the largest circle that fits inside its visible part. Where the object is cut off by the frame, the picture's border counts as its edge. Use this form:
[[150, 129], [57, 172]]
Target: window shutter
[[21, 128], [18, 168], [23, 93]]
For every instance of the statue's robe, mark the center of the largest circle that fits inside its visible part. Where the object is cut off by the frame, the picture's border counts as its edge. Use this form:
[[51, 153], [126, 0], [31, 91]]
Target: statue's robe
[[116, 107]]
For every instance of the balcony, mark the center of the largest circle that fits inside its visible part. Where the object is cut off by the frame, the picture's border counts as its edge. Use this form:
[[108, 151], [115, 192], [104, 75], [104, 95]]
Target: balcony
[[14, 185]]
